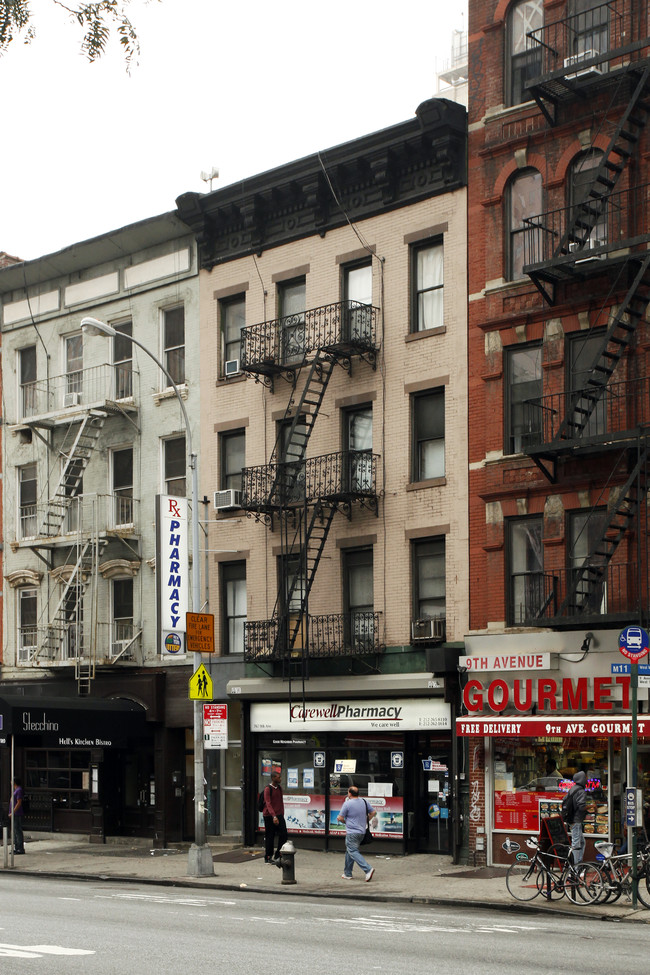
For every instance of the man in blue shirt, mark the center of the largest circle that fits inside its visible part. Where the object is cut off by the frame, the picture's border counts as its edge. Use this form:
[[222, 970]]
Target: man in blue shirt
[[16, 812], [355, 813]]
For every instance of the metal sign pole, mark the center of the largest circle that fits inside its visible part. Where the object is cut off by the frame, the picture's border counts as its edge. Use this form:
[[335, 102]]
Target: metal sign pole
[[632, 848]]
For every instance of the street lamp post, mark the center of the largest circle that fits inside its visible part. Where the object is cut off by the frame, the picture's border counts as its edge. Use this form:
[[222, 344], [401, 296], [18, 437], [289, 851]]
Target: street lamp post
[[200, 857]]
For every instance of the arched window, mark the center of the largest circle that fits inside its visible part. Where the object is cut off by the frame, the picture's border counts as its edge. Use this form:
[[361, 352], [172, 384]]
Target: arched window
[[581, 178], [524, 199], [524, 60]]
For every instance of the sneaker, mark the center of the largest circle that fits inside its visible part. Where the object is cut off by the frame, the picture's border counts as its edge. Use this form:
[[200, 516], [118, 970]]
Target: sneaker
[[344, 876], [268, 859], [369, 875]]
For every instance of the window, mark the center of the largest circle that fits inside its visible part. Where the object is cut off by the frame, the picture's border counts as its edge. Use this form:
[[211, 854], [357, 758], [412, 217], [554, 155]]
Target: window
[[123, 360], [123, 486], [233, 601], [526, 570], [174, 342], [27, 628], [357, 295], [73, 618], [291, 309], [28, 391], [73, 488], [233, 319], [358, 443], [586, 530], [27, 500], [588, 28], [524, 56], [582, 353], [233, 455], [122, 616], [428, 435], [74, 363], [429, 578], [358, 598], [291, 581], [427, 269], [581, 180], [175, 467], [524, 199], [291, 453], [523, 389]]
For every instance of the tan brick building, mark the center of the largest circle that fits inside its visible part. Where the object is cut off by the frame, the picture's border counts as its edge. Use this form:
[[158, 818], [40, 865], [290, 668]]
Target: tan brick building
[[334, 431]]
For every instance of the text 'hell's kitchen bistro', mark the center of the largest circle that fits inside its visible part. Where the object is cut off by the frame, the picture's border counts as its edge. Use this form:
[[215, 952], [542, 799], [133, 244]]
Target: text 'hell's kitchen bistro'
[[531, 727]]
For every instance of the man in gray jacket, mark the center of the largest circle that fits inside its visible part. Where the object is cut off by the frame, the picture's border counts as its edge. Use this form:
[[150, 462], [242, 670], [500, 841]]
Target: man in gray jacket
[[575, 809]]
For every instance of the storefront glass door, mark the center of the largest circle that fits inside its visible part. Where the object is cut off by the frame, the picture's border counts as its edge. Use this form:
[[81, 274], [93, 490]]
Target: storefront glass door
[[432, 813]]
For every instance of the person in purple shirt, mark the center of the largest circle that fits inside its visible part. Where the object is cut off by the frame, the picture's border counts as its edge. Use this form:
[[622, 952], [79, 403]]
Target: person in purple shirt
[[16, 812], [355, 813]]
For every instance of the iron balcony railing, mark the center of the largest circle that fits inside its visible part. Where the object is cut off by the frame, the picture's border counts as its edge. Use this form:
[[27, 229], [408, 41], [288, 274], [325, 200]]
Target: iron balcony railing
[[90, 387], [572, 44], [62, 643], [83, 514], [282, 342], [565, 594], [622, 222], [332, 635], [346, 475], [620, 409]]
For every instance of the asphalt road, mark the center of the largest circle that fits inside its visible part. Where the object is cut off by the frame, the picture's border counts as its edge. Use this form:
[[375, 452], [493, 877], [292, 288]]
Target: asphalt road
[[107, 928]]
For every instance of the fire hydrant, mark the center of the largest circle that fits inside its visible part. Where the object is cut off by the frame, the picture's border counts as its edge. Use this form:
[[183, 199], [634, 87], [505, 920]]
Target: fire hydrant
[[287, 863]]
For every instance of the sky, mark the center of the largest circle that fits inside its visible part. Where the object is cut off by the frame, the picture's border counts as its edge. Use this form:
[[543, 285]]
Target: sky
[[238, 86]]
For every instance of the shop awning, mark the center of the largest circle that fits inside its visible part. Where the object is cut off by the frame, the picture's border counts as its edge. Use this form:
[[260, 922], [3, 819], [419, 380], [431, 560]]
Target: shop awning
[[70, 722], [545, 725]]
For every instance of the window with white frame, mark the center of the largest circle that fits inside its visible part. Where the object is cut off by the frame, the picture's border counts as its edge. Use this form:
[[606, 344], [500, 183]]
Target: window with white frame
[[174, 342], [233, 319], [233, 453], [233, 601], [357, 295], [28, 390], [27, 625], [358, 597], [427, 286], [122, 599], [74, 364], [175, 467], [123, 360], [27, 500], [428, 460], [122, 464]]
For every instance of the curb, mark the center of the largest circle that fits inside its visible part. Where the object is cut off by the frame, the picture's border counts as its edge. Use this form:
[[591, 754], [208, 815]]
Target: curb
[[416, 899]]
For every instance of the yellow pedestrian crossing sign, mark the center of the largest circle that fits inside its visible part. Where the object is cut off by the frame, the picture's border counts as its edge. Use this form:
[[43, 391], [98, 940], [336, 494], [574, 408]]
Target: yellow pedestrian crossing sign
[[200, 685]]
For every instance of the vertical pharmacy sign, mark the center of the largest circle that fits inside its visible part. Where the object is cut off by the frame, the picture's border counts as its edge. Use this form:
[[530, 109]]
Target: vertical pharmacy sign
[[172, 573]]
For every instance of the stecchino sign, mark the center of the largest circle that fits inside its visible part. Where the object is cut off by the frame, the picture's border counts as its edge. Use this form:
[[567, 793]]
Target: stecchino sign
[[172, 573]]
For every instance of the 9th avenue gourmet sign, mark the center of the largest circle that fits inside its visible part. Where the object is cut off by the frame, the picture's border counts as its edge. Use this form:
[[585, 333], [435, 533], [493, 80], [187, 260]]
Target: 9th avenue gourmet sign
[[546, 693]]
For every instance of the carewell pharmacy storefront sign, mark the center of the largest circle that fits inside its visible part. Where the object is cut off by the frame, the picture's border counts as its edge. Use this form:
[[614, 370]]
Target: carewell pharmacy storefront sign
[[410, 714]]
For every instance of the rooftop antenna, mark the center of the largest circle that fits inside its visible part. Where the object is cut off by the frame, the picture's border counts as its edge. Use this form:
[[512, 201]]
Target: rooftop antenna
[[208, 177]]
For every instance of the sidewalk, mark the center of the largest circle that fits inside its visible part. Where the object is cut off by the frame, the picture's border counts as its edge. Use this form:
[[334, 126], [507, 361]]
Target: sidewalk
[[417, 879]]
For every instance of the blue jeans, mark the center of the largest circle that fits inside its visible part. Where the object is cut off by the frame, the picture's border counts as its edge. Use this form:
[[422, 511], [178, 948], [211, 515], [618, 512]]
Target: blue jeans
[[578, 843], [19, 842], [353, 854]]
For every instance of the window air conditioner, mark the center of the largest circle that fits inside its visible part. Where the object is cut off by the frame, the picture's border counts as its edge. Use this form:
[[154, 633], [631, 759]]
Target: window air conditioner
[[119, 647], [574, 59], [231, 368], [227, 500], [71, 399], [428, 629]]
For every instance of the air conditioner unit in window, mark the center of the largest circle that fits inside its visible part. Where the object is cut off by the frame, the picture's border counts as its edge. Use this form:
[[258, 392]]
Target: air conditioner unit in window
[[428, 629], [574, 59], [227, 500], [231, 368], [71, 399], [119, 648]]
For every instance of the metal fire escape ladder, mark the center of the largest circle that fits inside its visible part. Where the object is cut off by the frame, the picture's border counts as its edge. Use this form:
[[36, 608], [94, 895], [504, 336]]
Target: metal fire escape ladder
[[72, 471], [617, 338], [587, 214], [289, 454], [591, 576]]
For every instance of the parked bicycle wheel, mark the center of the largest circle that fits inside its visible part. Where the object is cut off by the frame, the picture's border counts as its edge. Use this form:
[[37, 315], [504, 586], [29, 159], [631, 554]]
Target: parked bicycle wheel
[[590, 886], [643, 887], [612, 887], [523, 880]]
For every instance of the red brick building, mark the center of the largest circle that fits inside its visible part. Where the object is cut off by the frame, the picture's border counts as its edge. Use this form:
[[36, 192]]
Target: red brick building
[[559, 395]]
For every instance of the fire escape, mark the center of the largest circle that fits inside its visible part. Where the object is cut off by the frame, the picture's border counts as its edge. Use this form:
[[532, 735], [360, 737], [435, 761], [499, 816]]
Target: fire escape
[[595, 251], [68, 530], [299, 495]]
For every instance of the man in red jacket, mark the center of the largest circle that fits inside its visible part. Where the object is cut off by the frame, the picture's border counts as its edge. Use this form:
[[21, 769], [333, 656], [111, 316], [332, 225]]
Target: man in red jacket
[[274, 818]]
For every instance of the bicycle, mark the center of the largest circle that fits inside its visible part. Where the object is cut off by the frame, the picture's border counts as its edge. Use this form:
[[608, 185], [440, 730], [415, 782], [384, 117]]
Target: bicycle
[[553, 874], [617, 874]]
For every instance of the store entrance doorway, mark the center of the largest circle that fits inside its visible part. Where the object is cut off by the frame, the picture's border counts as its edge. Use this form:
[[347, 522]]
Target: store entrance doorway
[[433, 795]]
